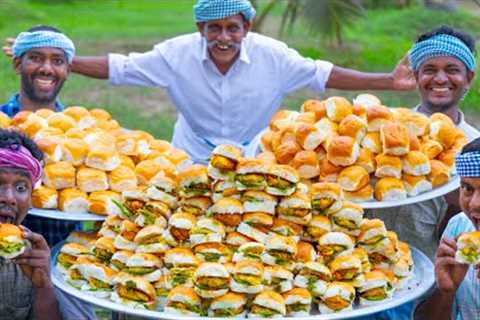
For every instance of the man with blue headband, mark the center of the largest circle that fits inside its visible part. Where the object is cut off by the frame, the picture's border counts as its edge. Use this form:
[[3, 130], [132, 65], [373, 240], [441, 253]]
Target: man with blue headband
[[456, 294], [227, 82], [42, 57]]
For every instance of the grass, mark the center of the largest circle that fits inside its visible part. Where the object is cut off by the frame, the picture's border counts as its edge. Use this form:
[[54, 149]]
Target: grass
[[374, 43]]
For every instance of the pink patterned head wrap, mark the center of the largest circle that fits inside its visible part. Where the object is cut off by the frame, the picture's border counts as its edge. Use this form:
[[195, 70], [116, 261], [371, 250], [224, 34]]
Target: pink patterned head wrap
[[18, 157]]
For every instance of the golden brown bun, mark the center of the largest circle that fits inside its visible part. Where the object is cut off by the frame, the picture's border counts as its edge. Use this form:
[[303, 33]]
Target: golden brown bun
[[363, 194], [61, 121], [266, 140], [73, 200], [90, 180], [439, 116], [395, 139], [416, 163], [5, 120], [431, 148], [366, 159], [305, 252], [127, 162], [101, 202], [75, 133], [286, 152], [388, 166], [389, 189], [353, 178], [20, 117], [7, 229], [306, 117], [377, 116], [146, 170], [308, 136], [267, 157], [353, 126], [51, 149], [416, 184], [417, 123], [100, 114], [122, 179], [442, 130], [74, 151], [59, 175], [282, 118], [102, 157], [32, 125], [414, 142], [44, 198], [342, 151], [329, 171], [372, 142], [448, 157], [367, 100], [439, 173], [76, 112], [315, 106], [306, 163], [326, 189], [338, 108]]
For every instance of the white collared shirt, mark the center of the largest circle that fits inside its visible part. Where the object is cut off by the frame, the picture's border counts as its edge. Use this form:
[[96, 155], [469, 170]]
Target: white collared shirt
[[215, 108]]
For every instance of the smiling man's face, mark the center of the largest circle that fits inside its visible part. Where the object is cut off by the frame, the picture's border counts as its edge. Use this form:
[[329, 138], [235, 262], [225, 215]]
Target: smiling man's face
[[43, 72], [15, 195], [442, 82], [470, 199]]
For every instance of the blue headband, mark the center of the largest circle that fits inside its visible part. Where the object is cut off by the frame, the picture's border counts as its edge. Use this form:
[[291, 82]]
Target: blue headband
[[26, 41], [440, 46], [206, 10], [468, 164]]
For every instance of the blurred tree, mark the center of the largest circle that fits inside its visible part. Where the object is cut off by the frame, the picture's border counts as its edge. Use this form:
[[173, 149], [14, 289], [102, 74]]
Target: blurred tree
[[448, 5], [262, 14], [330, 17]]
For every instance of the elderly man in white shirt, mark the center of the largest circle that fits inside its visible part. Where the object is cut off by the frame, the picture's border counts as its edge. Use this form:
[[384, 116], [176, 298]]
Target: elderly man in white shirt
[[227, 82]]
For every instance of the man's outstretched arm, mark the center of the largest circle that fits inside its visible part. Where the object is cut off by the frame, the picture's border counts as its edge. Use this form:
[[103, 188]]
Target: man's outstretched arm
[[94, 67]]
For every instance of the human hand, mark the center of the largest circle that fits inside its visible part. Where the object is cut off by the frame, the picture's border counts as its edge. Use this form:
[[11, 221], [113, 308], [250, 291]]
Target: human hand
[[403, 77], [448, 272], [35, 261], [7, 48]]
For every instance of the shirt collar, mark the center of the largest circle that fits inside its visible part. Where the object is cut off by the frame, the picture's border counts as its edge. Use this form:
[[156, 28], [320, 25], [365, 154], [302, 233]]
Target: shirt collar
[[244, 57], [15, 106]]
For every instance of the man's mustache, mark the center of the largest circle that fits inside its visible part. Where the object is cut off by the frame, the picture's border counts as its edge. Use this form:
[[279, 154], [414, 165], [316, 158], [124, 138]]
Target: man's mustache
[[214, 43]]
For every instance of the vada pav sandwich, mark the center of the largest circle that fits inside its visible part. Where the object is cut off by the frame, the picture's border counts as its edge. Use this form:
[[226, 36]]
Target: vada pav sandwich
[[68, 255], [163, 188], [249, 251], [286, 228], [119, 259], [251, 174], [206, 230], [247, 277], [338, 297], [258, 201], [135, 292], [347, 269], [223, 162], [298, 302], [348, 218], [256, 225], [180, 224], [333, 244], [110, 227], [224, 189], [315, 277], [145, 265], [150, 240], [295, 208], [280, 251], [373, 234], [194, 181], [281, 180], [468, 248], [125, 238], [103, 249], [327, 197], [317, 227], [228, 211], [133, 202], [268, 304], [231, 305], [153, 212], [278, 279], [181, 264], [99, 279], [374, 289], [183, 301], [196, 206], [211, 280]]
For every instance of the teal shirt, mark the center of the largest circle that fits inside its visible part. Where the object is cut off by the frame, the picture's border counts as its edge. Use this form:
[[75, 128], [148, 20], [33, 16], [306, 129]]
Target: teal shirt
[[466, 305]]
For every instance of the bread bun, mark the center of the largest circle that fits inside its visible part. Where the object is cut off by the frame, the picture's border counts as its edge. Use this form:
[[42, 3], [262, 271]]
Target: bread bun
[[416, 163], [44, 198], [308, 136], [338, 108], [361, 195], [372, 142], [59, 175], [353, 126], [101, 202], [439, 173], [315, 106], [353, 178], [390, 189], [342, 151], [306, 163], [328, 171], [122, 178], [102, 157], [377, 116], [416, 184], [73, 200], [366, 160], [90, 180], [395, 139], [388, 166]]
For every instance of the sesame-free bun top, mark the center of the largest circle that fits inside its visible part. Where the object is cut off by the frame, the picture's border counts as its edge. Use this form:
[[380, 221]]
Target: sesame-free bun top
[[377, 116], [297, 295], [180, 256], [342, 151], [326, 189], [395, 139], [182, 220], [230, 300], [228, 151], [193, 174], [389, 188], [338, 108], [211, 269], [353, 178], [8, 229], [276, 242], [367, 100], [353, 126], [271, 300], [246, 166], [184, 295], [227, 206]]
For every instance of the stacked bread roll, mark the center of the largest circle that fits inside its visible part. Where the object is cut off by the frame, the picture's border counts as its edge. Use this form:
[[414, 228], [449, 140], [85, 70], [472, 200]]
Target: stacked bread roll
[[372, 151], [238, 237], [89, 160]]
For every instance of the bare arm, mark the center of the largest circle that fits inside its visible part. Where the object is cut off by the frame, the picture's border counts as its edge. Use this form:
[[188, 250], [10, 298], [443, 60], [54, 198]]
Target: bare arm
[[438, 306], [94, 67], [401, 78]]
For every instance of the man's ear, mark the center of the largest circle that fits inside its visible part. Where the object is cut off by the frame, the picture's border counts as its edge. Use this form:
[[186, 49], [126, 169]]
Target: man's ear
[[200, 27], [247, 25], [17, 62], [470, 76]]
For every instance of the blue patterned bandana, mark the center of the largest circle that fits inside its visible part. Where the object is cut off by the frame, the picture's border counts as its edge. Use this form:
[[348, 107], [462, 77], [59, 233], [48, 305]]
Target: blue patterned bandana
[[206, 10], [468, 164], [442, 45], [26, 41]]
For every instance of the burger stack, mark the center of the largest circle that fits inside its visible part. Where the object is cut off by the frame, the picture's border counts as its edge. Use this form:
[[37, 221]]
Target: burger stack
[[239, 237], [90, 160], [372, 151]]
